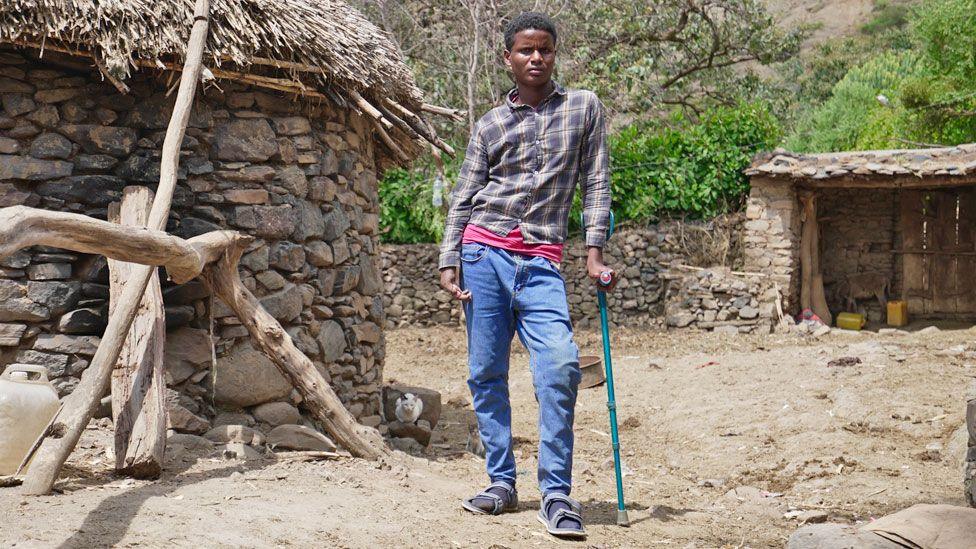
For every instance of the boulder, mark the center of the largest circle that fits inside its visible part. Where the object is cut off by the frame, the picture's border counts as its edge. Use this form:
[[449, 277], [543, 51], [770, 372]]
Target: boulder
[[180, 446], [370, 278], [334, 223], [246, 377], [285, 304], [319, 253], [10, 334], [410, 430], [291, 125], [431, 412], [67, 344], [299, 437], [249, 140], [179, 419], [96, 139], [56, 364], [287, 256], [50, 146], [277, 413], [15, 303], [367, 332], [309, 221], [82, 322], [294, 179], [58, 297], [332, 340], [273, 222], [49, 271], [96, 190], [186, 351], [33, 169]]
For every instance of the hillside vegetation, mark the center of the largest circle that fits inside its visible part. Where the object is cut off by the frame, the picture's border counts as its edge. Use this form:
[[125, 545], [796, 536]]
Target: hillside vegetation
[[679, 78]]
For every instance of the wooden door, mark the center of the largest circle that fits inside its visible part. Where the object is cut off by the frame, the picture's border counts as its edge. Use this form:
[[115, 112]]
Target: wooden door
[[939, 252]]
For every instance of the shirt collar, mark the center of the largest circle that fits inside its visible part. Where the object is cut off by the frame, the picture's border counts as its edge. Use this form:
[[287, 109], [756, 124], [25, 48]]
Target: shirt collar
[[557, 89]]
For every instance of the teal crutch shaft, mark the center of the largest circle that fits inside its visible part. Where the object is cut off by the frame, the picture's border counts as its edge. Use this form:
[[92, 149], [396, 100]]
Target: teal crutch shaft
[[622, 519]]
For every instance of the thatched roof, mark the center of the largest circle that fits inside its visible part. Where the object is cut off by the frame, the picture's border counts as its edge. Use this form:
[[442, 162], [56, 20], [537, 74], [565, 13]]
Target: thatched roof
[[311, 47], [947, 162]]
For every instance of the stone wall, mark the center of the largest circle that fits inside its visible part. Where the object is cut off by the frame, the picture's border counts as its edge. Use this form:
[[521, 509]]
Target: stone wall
[[722, 300], [859, 233], [413, 296], [643, 257], [772, 239], [299, 177]]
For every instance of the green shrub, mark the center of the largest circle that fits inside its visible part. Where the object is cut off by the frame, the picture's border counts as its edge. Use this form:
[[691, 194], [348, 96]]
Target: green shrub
[[886, 16], [838, 123], [688, 168], [407, 214]]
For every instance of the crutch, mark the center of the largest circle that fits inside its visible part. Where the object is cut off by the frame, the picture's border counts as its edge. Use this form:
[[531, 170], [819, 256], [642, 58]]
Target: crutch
[[601, 295]]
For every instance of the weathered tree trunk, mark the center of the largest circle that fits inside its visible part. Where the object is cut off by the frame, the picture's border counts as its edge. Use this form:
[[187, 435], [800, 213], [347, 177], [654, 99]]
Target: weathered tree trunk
[[806, 251], [268, 335], [138, 388], [78, 408], [222, 249], [812, 294]]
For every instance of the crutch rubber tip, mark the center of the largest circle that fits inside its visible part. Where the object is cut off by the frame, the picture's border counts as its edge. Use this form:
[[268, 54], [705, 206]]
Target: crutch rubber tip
[[622, 519]]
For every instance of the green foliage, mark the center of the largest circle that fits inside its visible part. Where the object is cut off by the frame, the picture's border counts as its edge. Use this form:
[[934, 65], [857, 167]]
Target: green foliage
[[931, 90], [887, 15], [688, 168], [407, 214], [839, 123]]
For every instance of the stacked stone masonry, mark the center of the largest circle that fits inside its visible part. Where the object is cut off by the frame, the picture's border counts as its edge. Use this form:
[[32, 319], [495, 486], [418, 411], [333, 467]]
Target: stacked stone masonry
[[300, 177], [771, 241], [644, 259]]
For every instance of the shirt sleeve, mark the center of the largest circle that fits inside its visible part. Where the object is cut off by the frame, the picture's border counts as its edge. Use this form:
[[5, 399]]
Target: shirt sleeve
[[595, 176], [473, 178]]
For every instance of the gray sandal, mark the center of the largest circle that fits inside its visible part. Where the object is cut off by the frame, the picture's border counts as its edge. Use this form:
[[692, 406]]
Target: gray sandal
[[572, 514], [499, 505]]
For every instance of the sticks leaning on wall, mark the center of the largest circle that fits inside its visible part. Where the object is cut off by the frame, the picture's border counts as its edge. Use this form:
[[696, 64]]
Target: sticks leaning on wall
[[216, 255], [78, 408], [138, 387]]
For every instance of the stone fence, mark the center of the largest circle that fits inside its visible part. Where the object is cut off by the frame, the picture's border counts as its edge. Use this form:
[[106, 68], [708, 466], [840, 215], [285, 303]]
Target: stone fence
[[642, 256]]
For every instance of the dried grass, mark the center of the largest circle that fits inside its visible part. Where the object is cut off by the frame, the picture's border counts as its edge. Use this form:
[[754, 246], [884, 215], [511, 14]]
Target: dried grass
[[714, 243], [342, 48]]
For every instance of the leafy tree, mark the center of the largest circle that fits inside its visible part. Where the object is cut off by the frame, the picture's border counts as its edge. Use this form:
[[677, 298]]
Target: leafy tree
[[642, 58]]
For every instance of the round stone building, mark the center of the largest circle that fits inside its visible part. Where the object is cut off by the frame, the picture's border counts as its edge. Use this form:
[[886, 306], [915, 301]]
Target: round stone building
[[303, 105]]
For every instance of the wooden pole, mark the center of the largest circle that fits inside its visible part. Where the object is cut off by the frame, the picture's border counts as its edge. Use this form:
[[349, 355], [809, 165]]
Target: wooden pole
[[206, 249], [138, 387], [268, 336], [78, 408]]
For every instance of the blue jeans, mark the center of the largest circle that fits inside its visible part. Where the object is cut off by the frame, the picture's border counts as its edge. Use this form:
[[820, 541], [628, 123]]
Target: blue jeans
[[513, 293]]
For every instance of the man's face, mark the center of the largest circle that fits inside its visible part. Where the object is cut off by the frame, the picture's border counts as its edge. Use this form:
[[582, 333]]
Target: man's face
[[532, 57]]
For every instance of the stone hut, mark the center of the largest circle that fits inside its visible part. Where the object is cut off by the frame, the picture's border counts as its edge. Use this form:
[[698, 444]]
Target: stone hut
[[303, 105], [898, 224]]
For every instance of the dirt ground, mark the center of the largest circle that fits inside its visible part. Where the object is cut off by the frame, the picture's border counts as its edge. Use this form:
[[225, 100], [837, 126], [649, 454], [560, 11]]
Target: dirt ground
[[728, 442]]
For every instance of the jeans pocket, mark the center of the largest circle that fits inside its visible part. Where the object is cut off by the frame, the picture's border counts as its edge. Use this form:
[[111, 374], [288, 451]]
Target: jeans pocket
[[473, 252]]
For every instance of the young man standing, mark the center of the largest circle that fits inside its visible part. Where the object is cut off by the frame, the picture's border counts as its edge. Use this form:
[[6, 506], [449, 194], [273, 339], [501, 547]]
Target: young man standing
[[505, 232]]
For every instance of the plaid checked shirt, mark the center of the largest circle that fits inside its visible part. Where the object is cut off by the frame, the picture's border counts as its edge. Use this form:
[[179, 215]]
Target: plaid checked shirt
[[521, 169]]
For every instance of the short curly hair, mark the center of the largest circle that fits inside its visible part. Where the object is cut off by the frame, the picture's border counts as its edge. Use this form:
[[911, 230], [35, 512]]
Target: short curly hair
[[528, 20]]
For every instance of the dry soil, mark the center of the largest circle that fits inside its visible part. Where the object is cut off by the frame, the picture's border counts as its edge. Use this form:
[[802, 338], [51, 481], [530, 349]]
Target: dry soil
[[728, 442]]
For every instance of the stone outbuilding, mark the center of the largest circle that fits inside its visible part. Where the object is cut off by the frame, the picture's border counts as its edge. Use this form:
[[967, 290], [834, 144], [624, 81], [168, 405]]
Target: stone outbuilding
[[304, 104], [897, 224]]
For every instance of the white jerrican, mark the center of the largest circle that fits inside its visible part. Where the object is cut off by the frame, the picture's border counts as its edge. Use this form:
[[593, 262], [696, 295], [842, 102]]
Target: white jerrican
[[409, 407]]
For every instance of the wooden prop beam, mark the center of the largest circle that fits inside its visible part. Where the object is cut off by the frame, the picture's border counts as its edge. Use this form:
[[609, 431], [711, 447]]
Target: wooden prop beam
[[218, 254], [78, 408], [138, 387], [22, 227], [268, 336]]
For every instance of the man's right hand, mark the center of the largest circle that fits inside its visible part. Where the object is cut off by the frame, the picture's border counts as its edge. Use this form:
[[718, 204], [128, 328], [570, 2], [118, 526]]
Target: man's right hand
[[449, 280]]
